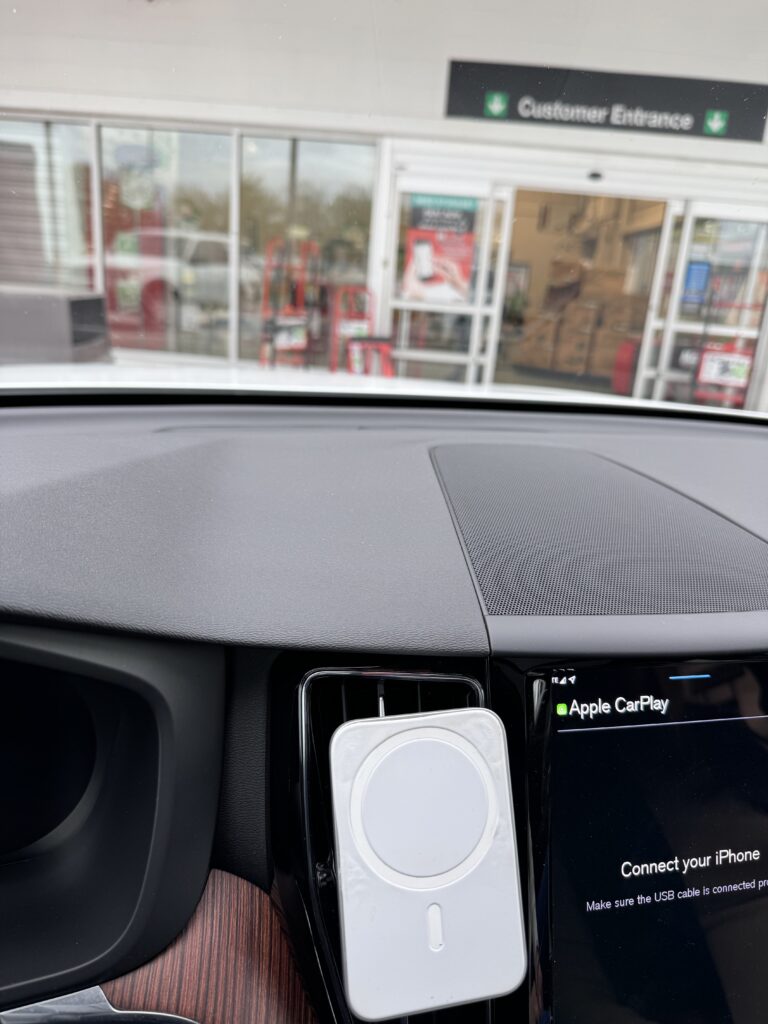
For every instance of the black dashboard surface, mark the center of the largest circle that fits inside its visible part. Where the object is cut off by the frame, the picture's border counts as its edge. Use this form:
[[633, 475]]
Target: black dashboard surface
[[326, 528]]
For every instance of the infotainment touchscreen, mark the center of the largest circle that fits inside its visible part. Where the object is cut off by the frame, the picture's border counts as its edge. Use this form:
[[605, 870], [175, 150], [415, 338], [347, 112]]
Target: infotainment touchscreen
[[659, 844]]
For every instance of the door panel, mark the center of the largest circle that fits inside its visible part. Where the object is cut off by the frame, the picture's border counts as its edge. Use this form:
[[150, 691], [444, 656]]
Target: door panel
[[578, 287], [702, 346], [451, 258]]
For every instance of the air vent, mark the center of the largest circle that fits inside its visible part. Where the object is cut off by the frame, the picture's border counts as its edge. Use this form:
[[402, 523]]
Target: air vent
[[328, 699]]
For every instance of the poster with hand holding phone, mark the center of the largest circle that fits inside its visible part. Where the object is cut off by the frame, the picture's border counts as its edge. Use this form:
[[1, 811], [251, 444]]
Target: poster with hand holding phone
[[439, 249]]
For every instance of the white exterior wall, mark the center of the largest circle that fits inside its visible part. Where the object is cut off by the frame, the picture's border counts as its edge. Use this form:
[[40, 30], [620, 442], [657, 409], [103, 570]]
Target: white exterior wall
[[377, 67]]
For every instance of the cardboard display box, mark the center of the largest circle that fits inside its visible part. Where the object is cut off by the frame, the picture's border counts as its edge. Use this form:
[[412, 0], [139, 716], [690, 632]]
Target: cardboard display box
[[574, 342], [564, 363], [537, 344], [581, 316], [572, 351], [602, 356], [602, 284], [626, 313], [533, 358], [542, 330]]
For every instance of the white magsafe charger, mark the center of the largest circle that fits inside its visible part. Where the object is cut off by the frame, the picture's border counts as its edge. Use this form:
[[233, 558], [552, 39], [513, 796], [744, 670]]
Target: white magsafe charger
[[426, 859]]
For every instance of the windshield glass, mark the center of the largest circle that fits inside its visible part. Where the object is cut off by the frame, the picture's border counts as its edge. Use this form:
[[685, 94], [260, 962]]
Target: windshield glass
[[368, 198]]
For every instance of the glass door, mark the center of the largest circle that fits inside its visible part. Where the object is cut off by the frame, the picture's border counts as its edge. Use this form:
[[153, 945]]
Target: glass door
[[705, 327], [578, 284], [448, 288]]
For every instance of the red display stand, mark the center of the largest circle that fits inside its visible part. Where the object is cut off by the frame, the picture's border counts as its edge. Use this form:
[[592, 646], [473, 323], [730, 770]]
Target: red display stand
[[289, 295], [623, 377], [370, 356], [351, 317]]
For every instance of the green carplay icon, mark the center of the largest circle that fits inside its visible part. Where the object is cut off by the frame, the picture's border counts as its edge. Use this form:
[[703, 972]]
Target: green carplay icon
[[496, 104], [716, 122], [562, 709]]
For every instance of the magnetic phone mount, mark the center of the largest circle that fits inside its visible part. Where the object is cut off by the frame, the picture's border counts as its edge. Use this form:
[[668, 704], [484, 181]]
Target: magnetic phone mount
[[429, 891]]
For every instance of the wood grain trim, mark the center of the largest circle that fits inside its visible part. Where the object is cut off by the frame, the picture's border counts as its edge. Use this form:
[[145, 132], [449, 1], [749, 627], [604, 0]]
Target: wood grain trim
[[231, 965]]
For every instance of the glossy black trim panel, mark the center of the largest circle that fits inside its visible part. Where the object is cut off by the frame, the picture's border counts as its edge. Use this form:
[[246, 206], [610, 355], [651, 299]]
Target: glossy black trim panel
[[627, 636]]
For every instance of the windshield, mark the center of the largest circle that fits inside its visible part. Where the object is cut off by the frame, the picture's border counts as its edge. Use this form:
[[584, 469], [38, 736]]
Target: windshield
[[452, 201]]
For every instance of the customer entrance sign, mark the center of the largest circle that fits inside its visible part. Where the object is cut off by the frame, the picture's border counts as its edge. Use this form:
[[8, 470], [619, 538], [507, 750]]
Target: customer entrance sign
[[604, 100]]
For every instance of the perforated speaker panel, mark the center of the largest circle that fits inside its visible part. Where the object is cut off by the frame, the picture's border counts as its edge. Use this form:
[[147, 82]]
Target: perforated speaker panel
[[556, 531]]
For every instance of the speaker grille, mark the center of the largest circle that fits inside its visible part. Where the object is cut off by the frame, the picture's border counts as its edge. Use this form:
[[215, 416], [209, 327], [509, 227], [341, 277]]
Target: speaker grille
[[554, 531]]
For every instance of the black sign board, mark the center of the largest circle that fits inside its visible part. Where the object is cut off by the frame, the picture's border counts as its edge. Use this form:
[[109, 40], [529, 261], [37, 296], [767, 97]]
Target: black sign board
[[604, 100]]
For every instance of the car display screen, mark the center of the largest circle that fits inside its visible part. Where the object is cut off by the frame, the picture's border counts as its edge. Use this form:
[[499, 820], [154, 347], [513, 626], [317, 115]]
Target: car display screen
[[659, 844]]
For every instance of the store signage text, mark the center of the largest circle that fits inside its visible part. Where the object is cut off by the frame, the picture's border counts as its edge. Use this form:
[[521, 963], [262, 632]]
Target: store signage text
[[605, 100], [617, 115]]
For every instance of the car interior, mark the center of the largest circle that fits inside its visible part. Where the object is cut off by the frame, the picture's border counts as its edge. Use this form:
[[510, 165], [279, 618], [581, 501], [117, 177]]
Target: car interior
[[338, 708]]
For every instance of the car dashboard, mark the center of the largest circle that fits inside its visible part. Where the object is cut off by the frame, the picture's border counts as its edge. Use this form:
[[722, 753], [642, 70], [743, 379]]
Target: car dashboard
[[198, 599]]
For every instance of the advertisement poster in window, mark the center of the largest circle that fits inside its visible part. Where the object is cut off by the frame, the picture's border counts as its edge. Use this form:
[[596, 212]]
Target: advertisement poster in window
[[724, 366], [439, 249], [696, 286]]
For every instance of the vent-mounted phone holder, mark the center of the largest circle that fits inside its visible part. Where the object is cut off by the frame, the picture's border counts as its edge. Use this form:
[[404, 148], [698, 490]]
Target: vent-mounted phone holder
[[429, 891]]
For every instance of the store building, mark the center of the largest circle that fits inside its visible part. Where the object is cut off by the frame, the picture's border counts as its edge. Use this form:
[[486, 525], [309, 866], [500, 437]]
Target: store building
[[271, 184]]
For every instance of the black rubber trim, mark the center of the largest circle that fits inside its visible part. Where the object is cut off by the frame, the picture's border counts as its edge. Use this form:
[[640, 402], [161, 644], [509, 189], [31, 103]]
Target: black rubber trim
[[29, 397], [180, 689], [242, 835]]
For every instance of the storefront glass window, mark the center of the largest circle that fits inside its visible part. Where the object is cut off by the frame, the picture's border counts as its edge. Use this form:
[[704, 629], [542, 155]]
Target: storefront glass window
[[708, 371], [264, 191], [166, 222], [712, 341], [419, 331], [333, 207], [305, 211], [45, 207], [720, 286]]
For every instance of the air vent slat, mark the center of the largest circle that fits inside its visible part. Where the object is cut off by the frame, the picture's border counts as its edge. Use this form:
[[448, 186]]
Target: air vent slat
[[330, 698]]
